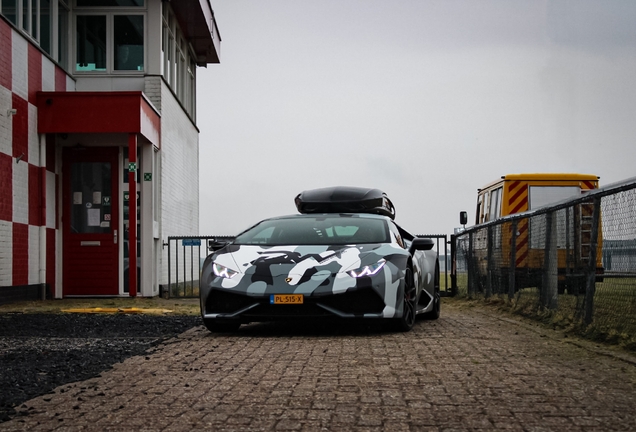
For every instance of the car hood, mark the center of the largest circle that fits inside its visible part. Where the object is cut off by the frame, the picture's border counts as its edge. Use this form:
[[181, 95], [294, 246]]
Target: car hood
[[297, 260]]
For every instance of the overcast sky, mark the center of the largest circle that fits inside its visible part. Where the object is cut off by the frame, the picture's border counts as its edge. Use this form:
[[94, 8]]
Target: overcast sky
[[426, 100]]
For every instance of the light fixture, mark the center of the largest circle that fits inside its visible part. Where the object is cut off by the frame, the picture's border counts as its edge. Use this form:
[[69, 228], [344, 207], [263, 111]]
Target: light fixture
[[11, 112]]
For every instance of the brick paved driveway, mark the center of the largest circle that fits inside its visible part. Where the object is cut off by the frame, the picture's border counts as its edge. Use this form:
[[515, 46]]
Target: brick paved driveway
[[467, 371]]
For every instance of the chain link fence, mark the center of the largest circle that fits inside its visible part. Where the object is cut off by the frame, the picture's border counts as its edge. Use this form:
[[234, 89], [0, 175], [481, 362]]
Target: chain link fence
[[572, 263]]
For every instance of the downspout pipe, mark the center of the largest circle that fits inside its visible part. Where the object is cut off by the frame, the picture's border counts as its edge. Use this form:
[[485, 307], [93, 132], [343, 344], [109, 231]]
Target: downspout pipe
[[42, 236]]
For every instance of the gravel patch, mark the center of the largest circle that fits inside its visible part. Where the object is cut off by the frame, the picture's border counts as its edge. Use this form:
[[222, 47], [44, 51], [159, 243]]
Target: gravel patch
[[39, 352]]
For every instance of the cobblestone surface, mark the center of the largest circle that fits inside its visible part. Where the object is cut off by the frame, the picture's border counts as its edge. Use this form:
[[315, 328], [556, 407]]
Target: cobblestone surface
[[468, 371]]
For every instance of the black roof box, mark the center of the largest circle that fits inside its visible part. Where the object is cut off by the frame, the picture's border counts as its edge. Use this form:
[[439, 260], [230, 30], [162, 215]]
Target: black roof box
[[344, 199]]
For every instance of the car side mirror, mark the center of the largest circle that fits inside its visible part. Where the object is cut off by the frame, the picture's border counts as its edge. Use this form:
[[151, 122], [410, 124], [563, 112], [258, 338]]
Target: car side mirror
[[422, 243], [463, 218], [215, 244]]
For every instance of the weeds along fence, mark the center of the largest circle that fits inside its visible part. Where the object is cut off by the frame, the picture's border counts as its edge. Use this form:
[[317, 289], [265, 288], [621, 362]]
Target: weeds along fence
[[573, 263]]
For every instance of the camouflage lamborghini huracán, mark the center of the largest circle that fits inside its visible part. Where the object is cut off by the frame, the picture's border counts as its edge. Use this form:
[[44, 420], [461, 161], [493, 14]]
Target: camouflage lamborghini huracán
[[342, 257]]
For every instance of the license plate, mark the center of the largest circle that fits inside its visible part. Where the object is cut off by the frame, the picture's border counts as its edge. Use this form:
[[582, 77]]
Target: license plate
[[286, 299]]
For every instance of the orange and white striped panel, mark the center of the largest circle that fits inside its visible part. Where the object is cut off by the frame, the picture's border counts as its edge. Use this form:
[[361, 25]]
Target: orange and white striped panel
[[518, 203]]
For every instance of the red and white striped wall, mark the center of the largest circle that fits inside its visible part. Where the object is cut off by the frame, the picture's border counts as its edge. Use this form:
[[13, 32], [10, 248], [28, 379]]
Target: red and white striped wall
[[28, 172]]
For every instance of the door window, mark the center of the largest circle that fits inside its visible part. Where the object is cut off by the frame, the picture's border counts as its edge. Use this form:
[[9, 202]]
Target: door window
[[91, 195]]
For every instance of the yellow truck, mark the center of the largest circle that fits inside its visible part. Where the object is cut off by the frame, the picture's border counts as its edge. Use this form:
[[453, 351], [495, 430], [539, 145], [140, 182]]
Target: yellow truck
[[517, 193]]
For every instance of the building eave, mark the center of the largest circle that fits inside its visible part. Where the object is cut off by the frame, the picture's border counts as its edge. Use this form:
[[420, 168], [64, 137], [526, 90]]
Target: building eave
[[98, 112], [196, 19]]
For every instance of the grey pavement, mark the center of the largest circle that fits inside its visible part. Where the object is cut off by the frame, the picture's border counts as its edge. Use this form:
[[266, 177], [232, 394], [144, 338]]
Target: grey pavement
[[471, 370]]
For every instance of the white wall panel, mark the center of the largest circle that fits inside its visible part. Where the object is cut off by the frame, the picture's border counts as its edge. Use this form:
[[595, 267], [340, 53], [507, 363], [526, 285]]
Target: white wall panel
[[21, 192], [33, 138], [20, 63]]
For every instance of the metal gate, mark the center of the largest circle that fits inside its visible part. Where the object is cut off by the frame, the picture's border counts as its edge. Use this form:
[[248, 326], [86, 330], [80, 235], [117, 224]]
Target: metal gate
[[185, 258], [445, 264]]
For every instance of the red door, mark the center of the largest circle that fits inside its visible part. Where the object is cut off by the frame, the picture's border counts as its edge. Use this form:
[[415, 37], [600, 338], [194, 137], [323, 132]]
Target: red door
[[90, 221]]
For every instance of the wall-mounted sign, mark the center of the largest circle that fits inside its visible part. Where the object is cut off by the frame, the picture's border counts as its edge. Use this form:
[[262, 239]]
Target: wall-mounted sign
[[127, 195], [147, 176]]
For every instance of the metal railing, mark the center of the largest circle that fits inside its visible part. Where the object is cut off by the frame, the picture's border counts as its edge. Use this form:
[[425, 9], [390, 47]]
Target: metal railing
[[185, 258], [574, 261], [443, 255]]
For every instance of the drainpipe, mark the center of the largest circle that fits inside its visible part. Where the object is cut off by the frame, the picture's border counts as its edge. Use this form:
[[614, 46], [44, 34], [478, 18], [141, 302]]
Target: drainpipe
[[42, 265], [132, 214]]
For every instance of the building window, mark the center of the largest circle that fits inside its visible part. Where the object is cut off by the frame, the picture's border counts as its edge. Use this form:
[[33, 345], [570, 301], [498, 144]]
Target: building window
[[129, 42], [45, 25], [109, 3], [91, 43], [62, 34], [25, 16], [191, 88], [9, 10], [109, 42], [44, 21], [34, 17], [178, 61]]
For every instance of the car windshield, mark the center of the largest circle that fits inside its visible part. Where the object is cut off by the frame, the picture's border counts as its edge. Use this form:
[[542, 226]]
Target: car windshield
[[319, 230]]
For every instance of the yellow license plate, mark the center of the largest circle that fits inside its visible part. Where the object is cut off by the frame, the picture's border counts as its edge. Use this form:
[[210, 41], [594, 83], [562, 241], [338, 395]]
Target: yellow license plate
[[286, 299]]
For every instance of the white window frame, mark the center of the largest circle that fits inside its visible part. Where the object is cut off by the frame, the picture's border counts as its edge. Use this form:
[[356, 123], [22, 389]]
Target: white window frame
[[110, 35]]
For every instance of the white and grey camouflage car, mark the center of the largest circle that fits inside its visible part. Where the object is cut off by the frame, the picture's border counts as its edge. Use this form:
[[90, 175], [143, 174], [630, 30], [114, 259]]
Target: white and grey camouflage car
[[322, 265]]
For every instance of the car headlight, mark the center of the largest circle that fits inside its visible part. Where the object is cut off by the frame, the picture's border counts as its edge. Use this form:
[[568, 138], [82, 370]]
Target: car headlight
[[222, 271], [369, 270]]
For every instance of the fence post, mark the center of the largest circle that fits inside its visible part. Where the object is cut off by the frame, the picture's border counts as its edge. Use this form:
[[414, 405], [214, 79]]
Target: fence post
[[568, 252], [470, 264], [169, 280], [512, 268], [549, 291], [453, 257], [489, 263], [590, 289]]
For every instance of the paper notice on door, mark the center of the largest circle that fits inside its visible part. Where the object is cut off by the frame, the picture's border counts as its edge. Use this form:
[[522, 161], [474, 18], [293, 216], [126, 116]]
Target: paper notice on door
[[93, 217], [97, 197], [77, 197]]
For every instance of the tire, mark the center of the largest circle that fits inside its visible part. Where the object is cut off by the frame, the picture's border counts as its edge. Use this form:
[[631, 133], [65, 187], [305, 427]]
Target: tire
[[221, 327], [407, 320]]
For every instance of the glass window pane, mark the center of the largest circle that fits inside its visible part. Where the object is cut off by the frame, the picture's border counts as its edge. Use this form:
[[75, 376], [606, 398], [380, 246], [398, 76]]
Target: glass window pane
[[45, 25], [318, 230], [91, 43], [90, 197], [129, 42], [34, 18], [62, 33], [8, 10], [94, 3], [25, 15]]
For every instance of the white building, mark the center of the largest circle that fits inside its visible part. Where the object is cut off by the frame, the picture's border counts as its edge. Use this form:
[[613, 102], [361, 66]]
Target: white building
[[92, 94]]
